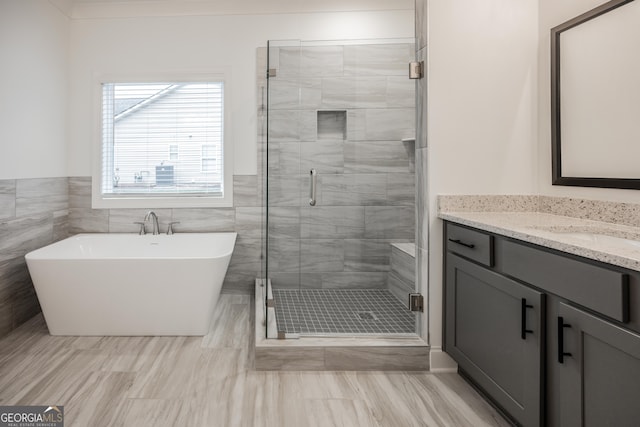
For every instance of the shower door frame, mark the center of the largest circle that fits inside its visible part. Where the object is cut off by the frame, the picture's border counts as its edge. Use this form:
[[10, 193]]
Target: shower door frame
[[303, 184]]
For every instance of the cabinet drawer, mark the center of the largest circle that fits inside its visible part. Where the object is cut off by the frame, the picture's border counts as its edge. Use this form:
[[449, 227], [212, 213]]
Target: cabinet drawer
[[597, 288], [472, 244]]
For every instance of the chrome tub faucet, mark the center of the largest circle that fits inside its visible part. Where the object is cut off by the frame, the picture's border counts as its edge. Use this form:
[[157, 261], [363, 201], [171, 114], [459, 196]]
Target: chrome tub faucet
[[156, 227]]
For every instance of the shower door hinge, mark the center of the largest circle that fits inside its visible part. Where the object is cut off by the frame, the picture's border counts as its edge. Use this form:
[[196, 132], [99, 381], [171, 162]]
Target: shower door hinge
[[416, 302], [416, 70], [272, 72]]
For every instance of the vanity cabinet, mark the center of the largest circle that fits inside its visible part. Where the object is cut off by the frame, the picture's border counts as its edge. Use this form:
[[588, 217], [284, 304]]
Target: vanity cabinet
[[494, 331], [598, 371], [551, 338]]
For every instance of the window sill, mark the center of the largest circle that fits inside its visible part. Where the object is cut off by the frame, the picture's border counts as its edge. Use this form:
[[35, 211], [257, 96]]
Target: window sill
[[161, 202]]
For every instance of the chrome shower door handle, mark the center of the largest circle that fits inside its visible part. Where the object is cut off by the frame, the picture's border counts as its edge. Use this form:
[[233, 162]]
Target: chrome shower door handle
[[312, 187]]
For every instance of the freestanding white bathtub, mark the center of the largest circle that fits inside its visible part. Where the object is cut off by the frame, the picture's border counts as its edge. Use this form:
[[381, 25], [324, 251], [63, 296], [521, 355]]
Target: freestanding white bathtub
[[126, 284]]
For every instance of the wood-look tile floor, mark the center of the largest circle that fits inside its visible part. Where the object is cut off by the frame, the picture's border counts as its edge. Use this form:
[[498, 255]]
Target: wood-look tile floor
[[210, 382]]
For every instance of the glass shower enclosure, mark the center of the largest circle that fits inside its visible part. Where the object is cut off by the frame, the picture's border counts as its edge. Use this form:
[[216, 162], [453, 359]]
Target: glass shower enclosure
[[339, 188]]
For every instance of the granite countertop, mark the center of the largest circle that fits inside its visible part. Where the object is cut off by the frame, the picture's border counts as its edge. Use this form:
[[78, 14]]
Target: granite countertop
[[597, 240]]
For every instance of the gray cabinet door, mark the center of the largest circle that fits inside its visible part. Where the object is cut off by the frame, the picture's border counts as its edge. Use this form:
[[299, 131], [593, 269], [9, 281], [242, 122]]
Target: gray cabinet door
[[599, 371], [494, 330]]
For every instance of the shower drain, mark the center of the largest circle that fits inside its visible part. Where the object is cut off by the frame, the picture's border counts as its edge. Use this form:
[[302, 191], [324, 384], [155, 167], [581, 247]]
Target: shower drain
[[366, 315]]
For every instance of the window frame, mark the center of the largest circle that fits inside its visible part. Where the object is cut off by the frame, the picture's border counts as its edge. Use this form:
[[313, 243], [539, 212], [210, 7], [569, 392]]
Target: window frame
[[99, 201]]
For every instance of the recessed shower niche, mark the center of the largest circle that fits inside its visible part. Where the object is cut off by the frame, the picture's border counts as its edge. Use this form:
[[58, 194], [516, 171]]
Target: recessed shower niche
[[332, 124]]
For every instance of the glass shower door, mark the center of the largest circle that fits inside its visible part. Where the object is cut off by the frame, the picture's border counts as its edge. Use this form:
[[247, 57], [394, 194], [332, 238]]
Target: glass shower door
[[284, 182], [341, 187]]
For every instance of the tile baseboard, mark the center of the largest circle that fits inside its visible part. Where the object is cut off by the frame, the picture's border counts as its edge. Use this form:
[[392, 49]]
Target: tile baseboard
[[341, 358]]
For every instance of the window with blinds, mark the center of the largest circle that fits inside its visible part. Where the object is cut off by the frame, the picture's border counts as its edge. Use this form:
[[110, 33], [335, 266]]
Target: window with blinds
[[162, 139]]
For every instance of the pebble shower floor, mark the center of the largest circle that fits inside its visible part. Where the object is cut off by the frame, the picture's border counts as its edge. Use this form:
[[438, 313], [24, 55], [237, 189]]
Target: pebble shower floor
[[341, 311]]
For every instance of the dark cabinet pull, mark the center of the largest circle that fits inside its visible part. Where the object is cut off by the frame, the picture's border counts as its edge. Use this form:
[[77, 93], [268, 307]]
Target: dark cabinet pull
[[561, 352], [460, 242], [523, 321]]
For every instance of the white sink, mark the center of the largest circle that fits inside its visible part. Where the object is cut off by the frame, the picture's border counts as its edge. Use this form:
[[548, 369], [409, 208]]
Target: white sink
[[603, 238]]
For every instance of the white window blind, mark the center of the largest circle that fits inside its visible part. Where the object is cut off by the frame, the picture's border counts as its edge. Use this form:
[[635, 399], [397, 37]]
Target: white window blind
[[157, 139]]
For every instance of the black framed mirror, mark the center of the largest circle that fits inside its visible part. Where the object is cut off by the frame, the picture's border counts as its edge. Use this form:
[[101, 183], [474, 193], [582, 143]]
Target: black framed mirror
[[595, 98]]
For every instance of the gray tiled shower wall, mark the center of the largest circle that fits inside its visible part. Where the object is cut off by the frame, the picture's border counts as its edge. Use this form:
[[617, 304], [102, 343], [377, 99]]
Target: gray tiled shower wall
[[366, 181], [33, 214]]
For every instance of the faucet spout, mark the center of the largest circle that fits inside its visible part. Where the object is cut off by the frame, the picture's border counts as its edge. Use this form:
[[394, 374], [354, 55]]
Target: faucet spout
[[154, 217]]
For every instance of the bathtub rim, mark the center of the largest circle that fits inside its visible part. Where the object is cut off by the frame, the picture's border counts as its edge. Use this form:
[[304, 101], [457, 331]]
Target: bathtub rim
[[46, 253]]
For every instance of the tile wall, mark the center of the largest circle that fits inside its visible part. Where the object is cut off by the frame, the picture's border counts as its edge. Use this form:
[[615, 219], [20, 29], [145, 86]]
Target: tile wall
[[402, 277], [342, 110], [33, 214]]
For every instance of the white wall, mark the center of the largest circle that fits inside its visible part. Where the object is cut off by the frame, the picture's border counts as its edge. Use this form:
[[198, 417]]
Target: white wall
[[553, 13], [482, 111], [139, 44], [34, 47]]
